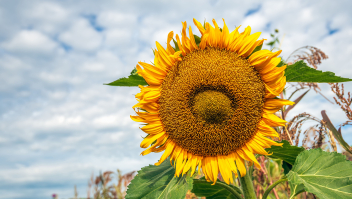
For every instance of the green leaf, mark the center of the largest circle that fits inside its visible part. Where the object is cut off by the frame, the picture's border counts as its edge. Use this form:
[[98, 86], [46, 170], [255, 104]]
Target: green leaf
[[327, 175], [287, 167], [197, 39], [271, 43], [300, 72], [159, 182], [176, 48], [282, 63], [202, 188], [296, 189], [286, 153], [133, 80]]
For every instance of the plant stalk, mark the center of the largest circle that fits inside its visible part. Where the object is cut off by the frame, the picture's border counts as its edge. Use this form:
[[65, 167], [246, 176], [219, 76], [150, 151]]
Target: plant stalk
[[247, 185], [267, 191]]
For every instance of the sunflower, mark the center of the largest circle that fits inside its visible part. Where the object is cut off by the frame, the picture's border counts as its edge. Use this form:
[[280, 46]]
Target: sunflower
[[210, 104]]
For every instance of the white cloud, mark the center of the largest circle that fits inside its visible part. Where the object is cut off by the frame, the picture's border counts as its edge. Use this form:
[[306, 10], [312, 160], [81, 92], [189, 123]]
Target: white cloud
[[30, 42], [81, 36], [48, 17], [10, 67], [48, 11], [113, 19], [256, 22], [118, 36]]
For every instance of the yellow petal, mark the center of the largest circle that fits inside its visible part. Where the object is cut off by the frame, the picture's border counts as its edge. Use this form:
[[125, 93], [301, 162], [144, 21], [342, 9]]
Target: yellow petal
[[239, 40], [188, 163], [169, 148], [276, 87], [225, 34], [185, 40], [159, 62], [217, 34], [231, 162], [224, 169], [273, 105], [240, 165], [159, 142], [250, 156], [266, 130], [214, 168], [232, 38], [199, 26], [154, 128], [274, 75], [169, 49], [148, 78], [194, 164], [152, 95], [150, 139], [257, 148], [203, 42], [164, 54], [271, 65], [259, 57], [273, 120], [180, 45], [248, 44], [193, 41], [264, 62], [180, 163]]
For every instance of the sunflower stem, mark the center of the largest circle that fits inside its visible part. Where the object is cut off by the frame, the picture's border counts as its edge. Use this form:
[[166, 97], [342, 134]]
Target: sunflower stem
[[267, 191], [247, 185]]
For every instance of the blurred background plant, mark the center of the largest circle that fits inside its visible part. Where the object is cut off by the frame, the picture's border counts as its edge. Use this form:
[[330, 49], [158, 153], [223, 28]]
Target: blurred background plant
[[104, 186], [322, 134]]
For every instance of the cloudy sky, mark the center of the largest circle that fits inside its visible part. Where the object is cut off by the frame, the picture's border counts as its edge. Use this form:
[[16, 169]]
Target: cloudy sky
[[59, 123]]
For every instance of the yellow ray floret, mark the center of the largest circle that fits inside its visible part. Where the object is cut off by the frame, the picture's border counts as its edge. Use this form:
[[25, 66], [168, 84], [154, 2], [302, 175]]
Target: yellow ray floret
[[242, 44]]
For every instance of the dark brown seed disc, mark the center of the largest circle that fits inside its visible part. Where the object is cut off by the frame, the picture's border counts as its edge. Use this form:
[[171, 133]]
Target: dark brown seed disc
[[211, 102]]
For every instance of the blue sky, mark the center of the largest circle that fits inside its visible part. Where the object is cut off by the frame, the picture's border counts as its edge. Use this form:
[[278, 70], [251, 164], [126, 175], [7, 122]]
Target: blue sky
[[59, 123]]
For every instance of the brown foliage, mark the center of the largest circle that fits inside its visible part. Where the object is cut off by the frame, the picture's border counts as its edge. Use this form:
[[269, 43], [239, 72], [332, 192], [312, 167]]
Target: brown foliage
[[105, 189]]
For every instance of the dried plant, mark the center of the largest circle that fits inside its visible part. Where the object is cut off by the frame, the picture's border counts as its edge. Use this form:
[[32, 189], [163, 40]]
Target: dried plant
[[312, 55], [105, 189], [313, 137], [342, 101]]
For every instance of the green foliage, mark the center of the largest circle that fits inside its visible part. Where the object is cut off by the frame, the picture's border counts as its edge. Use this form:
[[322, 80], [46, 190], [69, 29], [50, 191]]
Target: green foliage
[[300, 72], [275, 40], [282, 63], [176, 48], [296, 189], [202, 188], [159, 182], [286, 153], [287, 167], [325, 174], [133, 80], [197, 39]]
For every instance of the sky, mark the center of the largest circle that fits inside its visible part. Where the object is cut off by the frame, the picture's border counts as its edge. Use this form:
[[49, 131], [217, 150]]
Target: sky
[[59, 123]]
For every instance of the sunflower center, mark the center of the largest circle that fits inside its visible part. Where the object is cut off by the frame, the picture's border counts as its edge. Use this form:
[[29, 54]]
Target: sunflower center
[[212, 106], [211, 102]]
